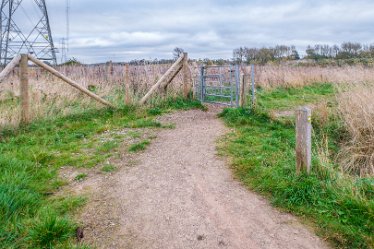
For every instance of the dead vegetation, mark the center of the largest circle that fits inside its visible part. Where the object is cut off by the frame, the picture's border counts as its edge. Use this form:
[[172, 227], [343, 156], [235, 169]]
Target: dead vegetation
[[51, 97], [272, 76], [356, 108]]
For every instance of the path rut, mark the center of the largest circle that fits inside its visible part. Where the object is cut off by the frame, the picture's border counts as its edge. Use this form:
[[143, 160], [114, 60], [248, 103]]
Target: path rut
[[180, 194]]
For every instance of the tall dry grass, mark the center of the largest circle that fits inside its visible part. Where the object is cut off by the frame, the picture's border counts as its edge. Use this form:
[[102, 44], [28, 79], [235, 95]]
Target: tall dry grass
[[356, 108], [50, 96], [272, 76]]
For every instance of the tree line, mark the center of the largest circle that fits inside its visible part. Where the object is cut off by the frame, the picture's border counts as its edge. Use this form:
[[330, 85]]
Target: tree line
[[264, 55], [345, 51]]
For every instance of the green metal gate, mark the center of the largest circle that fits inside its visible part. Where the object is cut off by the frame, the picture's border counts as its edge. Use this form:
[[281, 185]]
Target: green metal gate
[[219, 85]]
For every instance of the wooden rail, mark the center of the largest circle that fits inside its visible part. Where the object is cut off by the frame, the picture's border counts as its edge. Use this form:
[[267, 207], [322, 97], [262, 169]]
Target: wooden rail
[[69, 81], [167, 78], [9, 68], [162, 83], [22, 60]]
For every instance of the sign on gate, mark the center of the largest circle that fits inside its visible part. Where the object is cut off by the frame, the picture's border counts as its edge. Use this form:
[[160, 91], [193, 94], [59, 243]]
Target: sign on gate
[[220, 85]]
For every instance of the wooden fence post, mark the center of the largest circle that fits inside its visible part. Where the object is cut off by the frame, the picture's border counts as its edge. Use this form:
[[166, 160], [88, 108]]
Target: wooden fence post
[[110, 71], [303, 140], [186, 78], [24, 85], [127, 85]]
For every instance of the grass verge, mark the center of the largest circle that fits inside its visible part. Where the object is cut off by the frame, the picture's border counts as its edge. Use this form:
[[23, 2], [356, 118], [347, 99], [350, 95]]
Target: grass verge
[[262, 152], [31, 216], [283, 98]]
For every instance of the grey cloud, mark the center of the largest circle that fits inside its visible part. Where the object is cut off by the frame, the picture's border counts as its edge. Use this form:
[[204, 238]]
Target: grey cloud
[[134, 29]]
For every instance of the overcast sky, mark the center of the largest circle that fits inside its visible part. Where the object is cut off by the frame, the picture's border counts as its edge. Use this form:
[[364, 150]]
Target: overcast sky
[[121, 30]]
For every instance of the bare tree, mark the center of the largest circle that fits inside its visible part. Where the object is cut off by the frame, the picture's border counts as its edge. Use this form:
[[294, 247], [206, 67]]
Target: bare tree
[[177, 52], [239, 54]]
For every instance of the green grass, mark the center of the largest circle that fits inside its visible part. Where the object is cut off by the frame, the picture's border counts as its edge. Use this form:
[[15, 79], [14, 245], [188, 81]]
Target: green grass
[[158, 108], [31, 216], [50, 229], [108, 168], [80, 177], [289, 98], [139, 146], [340, 207]]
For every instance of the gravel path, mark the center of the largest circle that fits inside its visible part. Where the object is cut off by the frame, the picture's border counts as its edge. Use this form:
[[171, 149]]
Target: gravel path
[[180, 194]]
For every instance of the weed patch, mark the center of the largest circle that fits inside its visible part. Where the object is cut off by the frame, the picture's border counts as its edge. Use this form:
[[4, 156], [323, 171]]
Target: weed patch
[[81, 177], [139, 146], [108, 168], [288, 98]]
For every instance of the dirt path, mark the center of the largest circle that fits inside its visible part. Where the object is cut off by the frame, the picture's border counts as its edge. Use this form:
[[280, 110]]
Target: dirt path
[[179, 194]]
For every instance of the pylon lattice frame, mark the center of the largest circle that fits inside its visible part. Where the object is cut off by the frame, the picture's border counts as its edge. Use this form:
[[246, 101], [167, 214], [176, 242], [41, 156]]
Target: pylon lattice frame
[[38, 42]]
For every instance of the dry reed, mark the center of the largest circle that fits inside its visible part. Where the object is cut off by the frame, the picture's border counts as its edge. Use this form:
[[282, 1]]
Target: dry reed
[[50, 96], [49, 93], [272, 76], [356, 108]]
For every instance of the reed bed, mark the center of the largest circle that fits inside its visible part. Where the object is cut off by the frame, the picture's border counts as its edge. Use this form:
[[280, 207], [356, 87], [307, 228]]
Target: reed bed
[[356, 108], [51, 97], [272, 76]]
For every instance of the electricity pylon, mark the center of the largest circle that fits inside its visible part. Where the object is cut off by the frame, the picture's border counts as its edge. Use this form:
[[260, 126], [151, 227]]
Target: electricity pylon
[[14, 38]]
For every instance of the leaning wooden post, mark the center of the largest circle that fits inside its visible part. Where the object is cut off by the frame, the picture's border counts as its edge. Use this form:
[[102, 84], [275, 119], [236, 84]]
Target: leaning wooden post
[[186, 78], [164, 80], [24, 85], [10, 67], [127, 85], [69, 81], [303, 140]]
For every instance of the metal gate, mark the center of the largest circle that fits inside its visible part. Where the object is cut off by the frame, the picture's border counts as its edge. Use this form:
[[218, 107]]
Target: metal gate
[[219, 85]]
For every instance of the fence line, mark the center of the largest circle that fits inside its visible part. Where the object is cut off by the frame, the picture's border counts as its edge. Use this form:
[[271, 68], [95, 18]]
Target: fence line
[[181, 65]]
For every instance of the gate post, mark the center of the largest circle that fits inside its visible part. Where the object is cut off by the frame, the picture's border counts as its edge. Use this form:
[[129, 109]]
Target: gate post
[[242, 91], [237, 83], [202, 83], [186, 78]]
